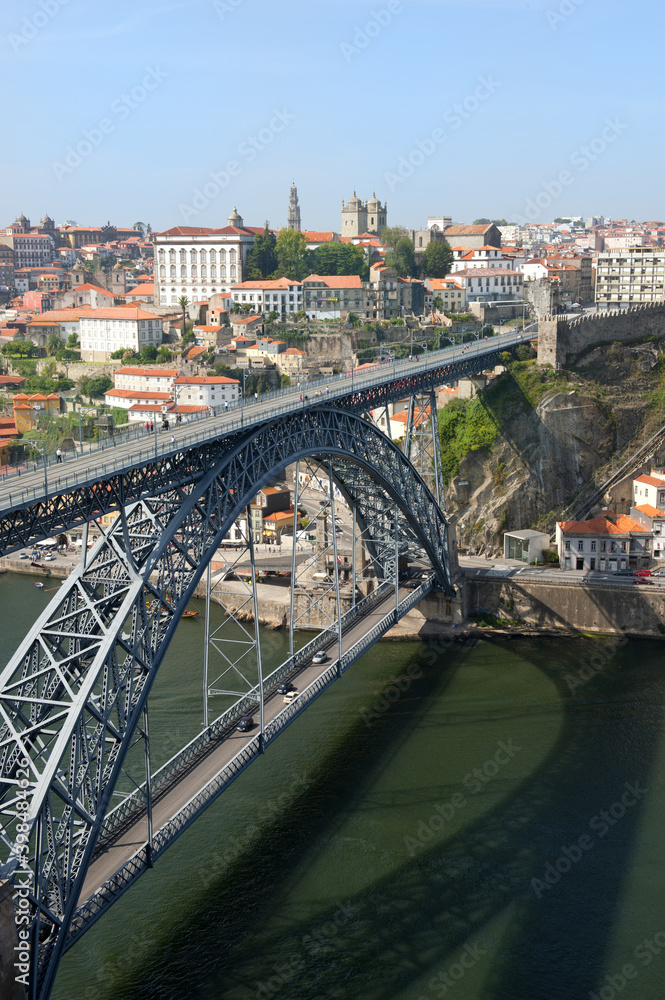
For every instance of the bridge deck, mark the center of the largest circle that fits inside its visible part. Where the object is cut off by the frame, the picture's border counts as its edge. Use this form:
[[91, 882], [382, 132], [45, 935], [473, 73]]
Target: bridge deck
[[18, 492], [196, 775]]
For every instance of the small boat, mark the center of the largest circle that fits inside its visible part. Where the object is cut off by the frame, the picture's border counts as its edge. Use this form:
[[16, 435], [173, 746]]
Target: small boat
[[189, 614], [39, 585]]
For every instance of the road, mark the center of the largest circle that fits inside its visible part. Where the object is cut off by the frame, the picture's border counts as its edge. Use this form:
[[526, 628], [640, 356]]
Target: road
[[100, 464], [216, 756]]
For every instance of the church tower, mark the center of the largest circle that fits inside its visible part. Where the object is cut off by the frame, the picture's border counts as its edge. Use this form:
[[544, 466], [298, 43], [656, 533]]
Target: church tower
[[294, 210]]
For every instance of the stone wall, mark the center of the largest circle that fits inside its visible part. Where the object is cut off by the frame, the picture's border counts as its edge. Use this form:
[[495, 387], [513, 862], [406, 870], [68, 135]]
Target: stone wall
[[561, 341], [571, 605]]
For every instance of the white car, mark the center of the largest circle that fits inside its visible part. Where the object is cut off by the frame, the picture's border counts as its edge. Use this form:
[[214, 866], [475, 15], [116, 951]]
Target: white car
[[320, 657], [289, 696]]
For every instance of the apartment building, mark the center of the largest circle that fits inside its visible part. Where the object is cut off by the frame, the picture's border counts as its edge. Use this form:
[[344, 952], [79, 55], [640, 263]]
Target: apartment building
[[103, 331], [629, 277], [196, 262], [282, 295]]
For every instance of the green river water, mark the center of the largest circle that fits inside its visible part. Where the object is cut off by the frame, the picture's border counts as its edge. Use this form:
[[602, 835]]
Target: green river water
[[483, 827]]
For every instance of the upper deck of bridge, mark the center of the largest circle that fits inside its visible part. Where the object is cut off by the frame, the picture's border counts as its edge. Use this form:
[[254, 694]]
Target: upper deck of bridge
[[359, 390]]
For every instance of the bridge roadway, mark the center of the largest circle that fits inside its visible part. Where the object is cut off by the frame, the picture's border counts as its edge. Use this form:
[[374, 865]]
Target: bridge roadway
[[19, 491], [217, 754]]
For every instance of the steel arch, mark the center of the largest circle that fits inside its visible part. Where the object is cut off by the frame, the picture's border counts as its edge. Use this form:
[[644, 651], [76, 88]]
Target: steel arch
[[72, 696]]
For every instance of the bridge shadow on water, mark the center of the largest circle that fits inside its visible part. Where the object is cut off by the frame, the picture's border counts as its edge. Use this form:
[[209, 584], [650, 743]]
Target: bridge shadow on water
[[410, 923]]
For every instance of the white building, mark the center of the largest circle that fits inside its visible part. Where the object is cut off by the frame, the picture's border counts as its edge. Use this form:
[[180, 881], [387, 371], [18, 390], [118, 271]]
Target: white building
[[145, 379], [654, 521], [484, 284], [196, 262], [282, 296], [103, 331], [606, 544], [465, 257], [206, 390], [649, 490], [629, 277], [451, 292]]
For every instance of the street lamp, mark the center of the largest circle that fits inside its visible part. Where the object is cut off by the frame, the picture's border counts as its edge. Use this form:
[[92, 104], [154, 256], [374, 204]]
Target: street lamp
[[41, 445]]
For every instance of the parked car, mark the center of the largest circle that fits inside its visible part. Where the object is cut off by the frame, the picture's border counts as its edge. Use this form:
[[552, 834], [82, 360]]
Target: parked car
[[49, 557], [285, 687], [320, 657], [623, 572], [245, 724], [643, 572], [24, 555]]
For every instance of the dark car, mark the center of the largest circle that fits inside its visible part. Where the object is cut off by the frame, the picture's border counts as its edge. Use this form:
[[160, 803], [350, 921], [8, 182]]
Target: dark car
[[285, 687], [623, 572], [245, 724]]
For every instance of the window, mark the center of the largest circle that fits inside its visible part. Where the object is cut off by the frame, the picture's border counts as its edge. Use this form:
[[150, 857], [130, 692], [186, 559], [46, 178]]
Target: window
[[603, 546], [183, 257], [580, 546], [567, 546], [593, 546]]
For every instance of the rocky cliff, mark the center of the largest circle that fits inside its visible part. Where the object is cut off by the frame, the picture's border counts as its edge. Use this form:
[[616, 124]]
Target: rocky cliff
[[520, 451]]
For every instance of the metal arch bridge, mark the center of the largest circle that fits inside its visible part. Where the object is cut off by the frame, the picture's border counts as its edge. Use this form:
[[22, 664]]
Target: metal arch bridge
[[75, 695]]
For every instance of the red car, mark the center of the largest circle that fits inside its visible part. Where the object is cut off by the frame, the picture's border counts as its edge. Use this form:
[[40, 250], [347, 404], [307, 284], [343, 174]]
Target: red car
[[643, 572]]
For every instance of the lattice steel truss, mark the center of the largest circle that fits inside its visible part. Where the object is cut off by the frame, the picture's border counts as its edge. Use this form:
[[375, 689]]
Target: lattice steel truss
[[73, 695], [421, 442]]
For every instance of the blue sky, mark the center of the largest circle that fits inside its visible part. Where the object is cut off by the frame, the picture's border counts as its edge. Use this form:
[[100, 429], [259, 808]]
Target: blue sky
[[468, 108]]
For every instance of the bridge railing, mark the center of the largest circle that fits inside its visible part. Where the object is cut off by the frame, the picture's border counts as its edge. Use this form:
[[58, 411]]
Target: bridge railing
[[136, 800], [243, 416]]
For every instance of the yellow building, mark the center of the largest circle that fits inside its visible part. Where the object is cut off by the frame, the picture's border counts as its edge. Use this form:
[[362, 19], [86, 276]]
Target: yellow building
[[28, 408]]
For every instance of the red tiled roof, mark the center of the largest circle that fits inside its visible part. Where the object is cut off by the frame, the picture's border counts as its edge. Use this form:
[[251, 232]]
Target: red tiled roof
[[137, 394], [152, 372], [269, 283], [649, 481], [336, 280], [650, 511], [206, 380], [601, 526], [120, 312]]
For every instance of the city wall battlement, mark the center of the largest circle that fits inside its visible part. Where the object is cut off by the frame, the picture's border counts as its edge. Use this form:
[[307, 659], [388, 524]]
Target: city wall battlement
[[561, 341]]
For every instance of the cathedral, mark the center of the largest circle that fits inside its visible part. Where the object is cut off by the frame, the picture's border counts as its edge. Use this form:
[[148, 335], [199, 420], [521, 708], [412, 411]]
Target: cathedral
[[360, 217]]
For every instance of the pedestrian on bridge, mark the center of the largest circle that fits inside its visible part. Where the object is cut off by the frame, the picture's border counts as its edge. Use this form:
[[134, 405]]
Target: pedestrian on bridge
[[58, 455]]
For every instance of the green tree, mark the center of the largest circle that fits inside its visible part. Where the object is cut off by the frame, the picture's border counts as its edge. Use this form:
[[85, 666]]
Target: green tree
[[163, 354], [292, 255], [339, 258], [53, 344], [183, 302], [437, 259], [438, 303], [489, 222], [95, 385], [262, 260], [400, 253], [148, 354], [73, 340]]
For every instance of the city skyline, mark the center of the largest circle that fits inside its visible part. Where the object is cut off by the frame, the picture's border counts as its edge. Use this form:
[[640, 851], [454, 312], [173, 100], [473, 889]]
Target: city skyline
[[200, 106]]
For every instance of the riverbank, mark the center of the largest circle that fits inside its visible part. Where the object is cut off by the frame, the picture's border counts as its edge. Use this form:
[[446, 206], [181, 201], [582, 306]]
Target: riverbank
[[512, 607]]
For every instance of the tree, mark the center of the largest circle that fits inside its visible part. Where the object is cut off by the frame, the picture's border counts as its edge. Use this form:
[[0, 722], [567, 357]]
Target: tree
[[262, 259], [148, 354], [140, 227], [95, 385], [489, 222], [73, 340], [53, 344], [183, 302], [438, 303], [292, 255], [402, 259], [339, 258], [20, 349], [163, 354], [437, 259], [400, 255]]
